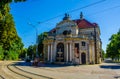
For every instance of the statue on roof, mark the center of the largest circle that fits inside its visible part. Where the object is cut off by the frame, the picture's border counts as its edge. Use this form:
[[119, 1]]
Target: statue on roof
[[81, 15], [67, 17]]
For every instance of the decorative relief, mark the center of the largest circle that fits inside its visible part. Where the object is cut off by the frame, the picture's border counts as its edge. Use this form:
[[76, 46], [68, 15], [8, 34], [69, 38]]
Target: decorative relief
[[83, 48], [68, 39], [66, 21], [47, 41], [74, 39]]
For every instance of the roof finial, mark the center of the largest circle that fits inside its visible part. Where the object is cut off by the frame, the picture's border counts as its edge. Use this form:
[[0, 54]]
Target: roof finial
[[67, 17], [81, 15]]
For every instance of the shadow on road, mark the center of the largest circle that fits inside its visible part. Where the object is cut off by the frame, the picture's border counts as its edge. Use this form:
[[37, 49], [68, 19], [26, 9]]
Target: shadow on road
[[41, 64], [110, 65]]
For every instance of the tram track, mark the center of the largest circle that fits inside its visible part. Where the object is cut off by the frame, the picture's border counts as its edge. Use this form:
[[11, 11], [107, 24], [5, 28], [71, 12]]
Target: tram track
[[8, 66], [33, 73], [1, 77], [26, 74]]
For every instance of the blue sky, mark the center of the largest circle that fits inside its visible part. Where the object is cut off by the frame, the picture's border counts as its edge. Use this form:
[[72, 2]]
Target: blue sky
[[106, 14]]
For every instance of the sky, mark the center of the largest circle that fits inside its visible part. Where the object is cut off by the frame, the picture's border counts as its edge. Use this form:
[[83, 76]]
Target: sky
[[43, 15]]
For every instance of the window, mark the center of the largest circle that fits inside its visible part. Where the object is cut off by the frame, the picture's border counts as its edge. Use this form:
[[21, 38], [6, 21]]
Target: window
[[77, 50], [83, 43], [77, 45]]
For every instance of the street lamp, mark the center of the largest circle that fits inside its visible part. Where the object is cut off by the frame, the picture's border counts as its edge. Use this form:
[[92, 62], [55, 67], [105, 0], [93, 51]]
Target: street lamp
[[34, 26]]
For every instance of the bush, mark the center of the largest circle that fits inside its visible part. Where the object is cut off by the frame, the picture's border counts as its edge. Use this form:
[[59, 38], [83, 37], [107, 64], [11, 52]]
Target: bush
[[11, 55], [1, 53]]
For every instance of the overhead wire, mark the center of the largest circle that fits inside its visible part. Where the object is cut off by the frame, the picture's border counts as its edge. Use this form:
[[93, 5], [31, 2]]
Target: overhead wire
[[98, 2], [104, 10]]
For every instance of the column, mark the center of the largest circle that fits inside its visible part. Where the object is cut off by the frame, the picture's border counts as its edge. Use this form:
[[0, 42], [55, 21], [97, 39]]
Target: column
[[44, 52], [51, 52], [54, 52], [93, 53], [48, 51], [87, 54], [70, 52], [73, 53], [67, 53], [80, 52], [90, 52]]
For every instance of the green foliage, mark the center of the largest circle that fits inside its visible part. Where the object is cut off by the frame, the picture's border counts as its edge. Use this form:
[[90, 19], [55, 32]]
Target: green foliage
[[113, 48], [19, 0], [2, 2], [31, 51], [1, 53], [23, 53], [41, 37], [9, 40], [103, 54], [11, 55]]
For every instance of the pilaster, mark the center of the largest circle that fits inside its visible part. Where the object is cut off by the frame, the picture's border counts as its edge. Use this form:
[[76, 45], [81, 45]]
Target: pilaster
[[70, 53], [67, 52], [80, 52], [51, 53], [48, 51]]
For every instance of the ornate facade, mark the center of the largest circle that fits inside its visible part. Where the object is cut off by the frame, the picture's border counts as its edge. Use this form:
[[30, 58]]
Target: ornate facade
[[73, 41]]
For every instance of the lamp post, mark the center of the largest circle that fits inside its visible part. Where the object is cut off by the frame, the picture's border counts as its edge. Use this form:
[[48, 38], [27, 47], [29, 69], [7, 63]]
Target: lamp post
[[34, 26]]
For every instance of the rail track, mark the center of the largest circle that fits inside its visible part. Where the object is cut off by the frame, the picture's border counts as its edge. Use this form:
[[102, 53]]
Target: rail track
[[1, 77], [34, 73], [8, 66], [26, 74]]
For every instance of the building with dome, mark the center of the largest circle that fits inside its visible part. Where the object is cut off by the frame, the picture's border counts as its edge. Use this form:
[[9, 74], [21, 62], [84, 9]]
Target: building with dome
[[73, 42]]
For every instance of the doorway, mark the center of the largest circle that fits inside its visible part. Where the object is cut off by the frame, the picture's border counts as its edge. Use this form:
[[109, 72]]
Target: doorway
[[83, 58]]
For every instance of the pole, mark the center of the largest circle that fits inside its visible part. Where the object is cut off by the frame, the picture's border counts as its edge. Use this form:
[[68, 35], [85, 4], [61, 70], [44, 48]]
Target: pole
[[36, 38], [36, 42]]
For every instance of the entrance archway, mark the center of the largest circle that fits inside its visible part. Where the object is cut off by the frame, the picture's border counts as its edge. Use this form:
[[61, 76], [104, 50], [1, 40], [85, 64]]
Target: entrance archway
[[83, 58], [60, 52]]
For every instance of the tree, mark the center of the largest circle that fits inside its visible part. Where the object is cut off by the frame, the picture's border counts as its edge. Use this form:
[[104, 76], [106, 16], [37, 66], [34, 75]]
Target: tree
[[103, 54], [41, 37], [9, 1], [9, 40], [113, 48], [1, 53], [31, 51], [23, 53]]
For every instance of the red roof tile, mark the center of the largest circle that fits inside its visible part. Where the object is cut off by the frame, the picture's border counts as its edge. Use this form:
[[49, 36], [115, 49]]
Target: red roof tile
[[84, 23], [53, 30], [81, 24]]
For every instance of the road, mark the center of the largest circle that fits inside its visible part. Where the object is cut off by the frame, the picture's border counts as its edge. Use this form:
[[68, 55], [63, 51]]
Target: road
[[22, 70]]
